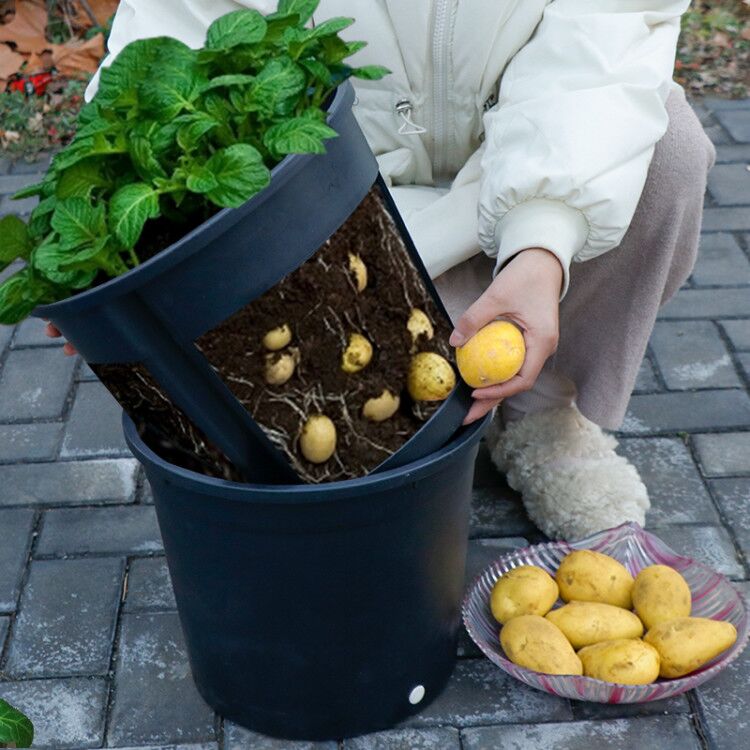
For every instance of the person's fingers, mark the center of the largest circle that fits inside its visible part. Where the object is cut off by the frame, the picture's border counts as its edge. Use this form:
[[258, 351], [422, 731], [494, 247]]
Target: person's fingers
[[483, 311], [52, 331], [69, 349], [479, 409]]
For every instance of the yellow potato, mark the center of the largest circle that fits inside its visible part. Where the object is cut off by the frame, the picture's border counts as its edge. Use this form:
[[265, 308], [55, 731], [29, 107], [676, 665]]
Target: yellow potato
[[280, 366], [277, 338], [687, 643], [527, 590], [430, 377], [381, 407], [358, 269], [357, 355], [535, 643], [625, 660], [586, 623], [419, 325], [587, 576], [318, 439], [660, 593], [492, 355]]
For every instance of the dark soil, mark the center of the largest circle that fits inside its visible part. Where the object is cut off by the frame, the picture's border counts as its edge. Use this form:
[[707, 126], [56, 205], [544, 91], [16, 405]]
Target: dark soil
[[321, 304]]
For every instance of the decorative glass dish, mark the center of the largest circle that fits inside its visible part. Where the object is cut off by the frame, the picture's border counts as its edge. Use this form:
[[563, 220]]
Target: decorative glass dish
[[713, 596]]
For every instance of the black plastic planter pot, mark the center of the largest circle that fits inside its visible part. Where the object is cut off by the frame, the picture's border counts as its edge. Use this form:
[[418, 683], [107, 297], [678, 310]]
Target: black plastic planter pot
[[319, 612], [150, 318]]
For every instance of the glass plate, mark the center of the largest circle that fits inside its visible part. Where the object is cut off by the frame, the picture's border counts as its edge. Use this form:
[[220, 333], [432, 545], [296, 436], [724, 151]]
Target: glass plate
[[713, 596]]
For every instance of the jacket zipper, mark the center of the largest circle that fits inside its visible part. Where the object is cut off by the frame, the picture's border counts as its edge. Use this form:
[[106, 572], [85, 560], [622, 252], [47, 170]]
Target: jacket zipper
[[442, 32]]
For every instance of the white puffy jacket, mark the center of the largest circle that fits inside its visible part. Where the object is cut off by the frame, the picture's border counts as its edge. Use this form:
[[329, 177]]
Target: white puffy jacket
[[506, 124]]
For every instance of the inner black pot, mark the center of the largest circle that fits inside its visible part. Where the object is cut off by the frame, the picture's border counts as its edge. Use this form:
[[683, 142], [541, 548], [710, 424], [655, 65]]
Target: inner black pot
[[138, 331]]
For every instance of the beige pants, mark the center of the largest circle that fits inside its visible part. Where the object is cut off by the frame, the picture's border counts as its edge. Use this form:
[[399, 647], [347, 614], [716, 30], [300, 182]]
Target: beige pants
[[609, 312]]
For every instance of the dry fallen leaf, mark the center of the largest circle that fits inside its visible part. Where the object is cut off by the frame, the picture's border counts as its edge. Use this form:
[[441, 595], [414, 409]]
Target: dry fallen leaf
[[10, 63]]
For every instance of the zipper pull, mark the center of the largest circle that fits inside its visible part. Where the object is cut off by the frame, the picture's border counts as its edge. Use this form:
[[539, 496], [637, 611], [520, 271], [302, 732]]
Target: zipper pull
[[408, 126]]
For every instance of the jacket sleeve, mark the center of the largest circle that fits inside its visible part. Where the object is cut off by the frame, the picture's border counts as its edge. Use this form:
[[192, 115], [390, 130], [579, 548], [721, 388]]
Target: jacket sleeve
[[569, 143], [186, 20]]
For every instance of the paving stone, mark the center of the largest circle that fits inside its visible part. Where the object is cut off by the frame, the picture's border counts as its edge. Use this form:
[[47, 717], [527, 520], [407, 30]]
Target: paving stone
[[67, 714], [710, 545], [480, 693], [498, 512], [155, 697], [85, 372], [10, 184], [675, 487], [726, 454], [31, 333], [717, 134], [731, 153], [726, 219], [127, 530], [733, 496], [691, 354], [715, 104], [686, 411], [736, 122], [4, 625], [6, 333], [738, 332], [34, 384], [730, 184], [66, 619], [69, 482], [191, 746], [721, 260], [445, 738], [17, 265], [95, 425], [149, 586], [744, 361], [29, 442], [22, 207], [36, 167], [707, 303], [16, 525], [725, 701], [599, 711], [239, 738], [646, 380], [667, 732]]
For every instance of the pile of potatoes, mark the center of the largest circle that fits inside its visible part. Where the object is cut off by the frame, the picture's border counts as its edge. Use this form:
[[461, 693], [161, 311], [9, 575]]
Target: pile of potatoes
[[596, 633]]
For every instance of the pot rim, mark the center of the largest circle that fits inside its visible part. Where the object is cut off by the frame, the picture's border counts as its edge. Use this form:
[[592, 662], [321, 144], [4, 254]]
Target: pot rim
[[197, 238], [295, 493]]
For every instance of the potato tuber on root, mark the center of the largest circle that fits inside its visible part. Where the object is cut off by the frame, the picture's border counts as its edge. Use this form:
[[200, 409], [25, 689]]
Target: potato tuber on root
[[358, 269], [382, 407], [357, 354], [280, 366], [430, 378], [419, 325], [318, 439], [278, 338]]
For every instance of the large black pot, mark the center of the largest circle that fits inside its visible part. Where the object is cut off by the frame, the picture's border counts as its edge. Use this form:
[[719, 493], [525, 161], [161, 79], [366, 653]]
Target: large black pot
[[150, 317], [319, 611]]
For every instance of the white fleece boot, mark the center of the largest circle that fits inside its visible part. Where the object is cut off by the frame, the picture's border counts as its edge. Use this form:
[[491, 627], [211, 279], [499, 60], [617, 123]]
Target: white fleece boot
[[570, 478]]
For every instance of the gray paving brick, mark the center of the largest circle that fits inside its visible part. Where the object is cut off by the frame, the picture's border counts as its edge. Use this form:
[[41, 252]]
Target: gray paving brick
[[86, 373], [239, 738], [726, 454], [149, 586], [726, 219], [675, 487], [6, 333], [715, 104], [599, 711], [744, 360], [155, 697], [710, 545], [190, 746], [95, 425], [11, 269], [733, 496], [707, 303], [31, 333], [34, 384], [730, 184], [481, 693], [736, 122], [665, 732], [738, 332], [691, 354], [4, 625], [498, 512], [29, 442], [66, 619], [646, 380], [445, 738], [728, 154], [10, 184], [725, 701], [67, 714], [69, 482], [73, 531], [721, 260], [16, 525], [717, 134], [38, 166], [22, 207]]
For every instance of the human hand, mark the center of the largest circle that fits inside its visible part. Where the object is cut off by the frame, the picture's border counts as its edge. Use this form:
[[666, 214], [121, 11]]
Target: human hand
[[54, 333], [526, 292]]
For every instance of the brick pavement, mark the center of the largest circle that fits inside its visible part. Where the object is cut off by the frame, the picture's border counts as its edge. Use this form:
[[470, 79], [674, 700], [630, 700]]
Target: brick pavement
[[79, 534]]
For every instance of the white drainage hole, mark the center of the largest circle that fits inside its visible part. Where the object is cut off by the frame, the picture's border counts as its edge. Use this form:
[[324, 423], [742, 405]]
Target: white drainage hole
[[416, 695]]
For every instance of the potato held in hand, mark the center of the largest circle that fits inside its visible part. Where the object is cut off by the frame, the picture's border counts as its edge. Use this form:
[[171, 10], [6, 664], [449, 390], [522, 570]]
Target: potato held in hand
[[660, 593], [492, 355], [586, 623], [535, 643], [527, 590], [687, 643], [587, 576], [626, 661]]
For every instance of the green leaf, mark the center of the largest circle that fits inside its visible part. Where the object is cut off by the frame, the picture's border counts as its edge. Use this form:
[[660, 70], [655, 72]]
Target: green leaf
[[319, 71], [300, 135], [86, 256], [201, 180], [239, 27], [78, 222], [371, 72], [354, 47], [19, 295], [48, 258], [80, 180], [15, 242], [30, 191], [15, 728], [129, 210], [303, 8], [143, 158], [39, 220], [277, 88], [165, 97], [94, 145], [192, 131], [233, 79], [330, 27], [239, 172]]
